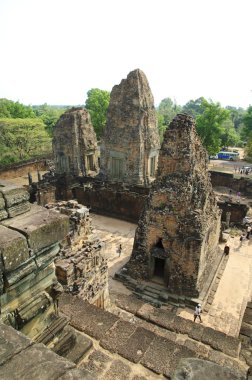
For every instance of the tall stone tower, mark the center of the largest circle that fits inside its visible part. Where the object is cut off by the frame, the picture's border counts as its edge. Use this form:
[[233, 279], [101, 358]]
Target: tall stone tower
[[74, 144], [129, 152], [178, 231]]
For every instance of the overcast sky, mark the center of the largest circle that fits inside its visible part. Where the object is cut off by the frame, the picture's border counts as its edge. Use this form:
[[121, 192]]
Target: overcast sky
[[54, 51]]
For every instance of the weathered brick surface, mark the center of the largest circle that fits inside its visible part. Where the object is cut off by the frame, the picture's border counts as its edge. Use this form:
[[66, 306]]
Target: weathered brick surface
[[179, 213], [164, 319], [199, 369], [21, 359], [136, 345], [74, 140], [163, 356], [117, 335], [131, 136], [129, 303]]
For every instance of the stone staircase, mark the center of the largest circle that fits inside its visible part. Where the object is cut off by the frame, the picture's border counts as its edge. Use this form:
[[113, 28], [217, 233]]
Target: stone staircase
[[138, 335]]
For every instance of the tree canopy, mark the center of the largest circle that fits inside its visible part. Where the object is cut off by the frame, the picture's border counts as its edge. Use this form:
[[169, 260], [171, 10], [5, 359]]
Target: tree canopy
[[49, 115], [166, 111], [97, 104], [22, 138], [210, 125], [11, 109], [247, 131]]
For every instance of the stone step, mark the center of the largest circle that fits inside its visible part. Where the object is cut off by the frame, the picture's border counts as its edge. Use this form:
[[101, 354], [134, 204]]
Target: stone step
[[73, 345], [51, 331]]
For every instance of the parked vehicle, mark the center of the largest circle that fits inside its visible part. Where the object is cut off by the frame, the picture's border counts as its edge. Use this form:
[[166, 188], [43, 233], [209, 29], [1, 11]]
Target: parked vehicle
[[231, 156]]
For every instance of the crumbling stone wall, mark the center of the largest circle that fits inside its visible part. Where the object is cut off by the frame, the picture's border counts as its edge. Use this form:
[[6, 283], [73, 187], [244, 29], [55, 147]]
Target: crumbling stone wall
[[29, 242], [81, 266], [178, 231], [75, 144], [130, 145]]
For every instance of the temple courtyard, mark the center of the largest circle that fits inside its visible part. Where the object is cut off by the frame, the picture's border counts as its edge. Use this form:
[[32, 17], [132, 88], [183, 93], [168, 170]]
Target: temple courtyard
[[232, 287]]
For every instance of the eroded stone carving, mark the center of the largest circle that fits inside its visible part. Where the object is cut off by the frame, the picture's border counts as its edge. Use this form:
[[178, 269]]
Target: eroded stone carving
[[75, 144], [81, 266], [178, 231], [129, 151]]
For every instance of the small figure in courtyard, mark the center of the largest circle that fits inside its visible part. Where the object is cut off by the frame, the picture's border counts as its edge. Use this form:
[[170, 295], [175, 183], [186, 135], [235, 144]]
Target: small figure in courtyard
[[238, 197], [197, 313], [242, 238], [248, 231], [119, 250], [226, 250]]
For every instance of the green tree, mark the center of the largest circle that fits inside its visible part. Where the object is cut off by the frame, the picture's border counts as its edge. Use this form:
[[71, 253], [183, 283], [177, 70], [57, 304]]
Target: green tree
[[210, 125], [11, 109], [236, 115], [229, 137], [49, 115], [194, 107], [166, 111], [247, 132], [24, 137], [97, 104]]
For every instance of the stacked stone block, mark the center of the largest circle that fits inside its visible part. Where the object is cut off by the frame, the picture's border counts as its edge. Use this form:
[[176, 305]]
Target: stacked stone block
[[180, 225]]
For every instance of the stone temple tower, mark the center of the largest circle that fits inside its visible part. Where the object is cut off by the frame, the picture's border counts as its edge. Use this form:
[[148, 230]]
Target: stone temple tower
[[129, 152], [178, 231], [74, 144]]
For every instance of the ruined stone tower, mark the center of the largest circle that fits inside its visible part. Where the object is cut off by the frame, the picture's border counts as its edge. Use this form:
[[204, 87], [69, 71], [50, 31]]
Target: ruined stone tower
[[130, 147], [177, 235], [75, 144]]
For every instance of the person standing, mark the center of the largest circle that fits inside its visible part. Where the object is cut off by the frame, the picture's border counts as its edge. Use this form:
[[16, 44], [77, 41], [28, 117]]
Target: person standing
[[120, 250], [226, 250], [197, 313]]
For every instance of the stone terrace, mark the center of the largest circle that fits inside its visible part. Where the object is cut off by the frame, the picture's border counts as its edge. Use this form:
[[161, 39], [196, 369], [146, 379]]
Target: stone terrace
[[153, 338], [21, 359]]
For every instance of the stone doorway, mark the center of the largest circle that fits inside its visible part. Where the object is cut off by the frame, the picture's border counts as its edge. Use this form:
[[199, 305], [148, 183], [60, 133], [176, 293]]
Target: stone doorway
[[159, 268]]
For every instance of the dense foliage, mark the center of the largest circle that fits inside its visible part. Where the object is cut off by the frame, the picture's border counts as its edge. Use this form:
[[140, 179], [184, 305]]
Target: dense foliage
[[166, 111], [22, 138], [247, 132], [97, 104], [11, 109], [49, 115], [27, 130]]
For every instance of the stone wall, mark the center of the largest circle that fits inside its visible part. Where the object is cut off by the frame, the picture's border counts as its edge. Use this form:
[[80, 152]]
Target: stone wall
[[113, 199], [130, 145], [29, 242], [23, 168], [179, 229], [81, 265], [75, 144], [242, 184]]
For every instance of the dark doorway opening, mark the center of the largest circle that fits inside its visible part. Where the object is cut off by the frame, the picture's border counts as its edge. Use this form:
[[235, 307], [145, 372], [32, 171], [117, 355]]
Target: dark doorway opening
[[159, 268], [160, 244]]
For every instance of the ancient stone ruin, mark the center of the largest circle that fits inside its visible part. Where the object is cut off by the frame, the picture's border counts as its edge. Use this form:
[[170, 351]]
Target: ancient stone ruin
[[43, 253], [29, 243], [75, 144], [81, 266], [130, 146], [178, 232]]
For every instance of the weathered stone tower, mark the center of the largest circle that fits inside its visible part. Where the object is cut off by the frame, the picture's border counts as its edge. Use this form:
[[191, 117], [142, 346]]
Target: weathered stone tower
[[130, 147], [177, 235], [75, 144]]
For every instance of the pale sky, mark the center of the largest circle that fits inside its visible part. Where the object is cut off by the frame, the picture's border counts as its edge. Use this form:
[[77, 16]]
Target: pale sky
[[54, 51]]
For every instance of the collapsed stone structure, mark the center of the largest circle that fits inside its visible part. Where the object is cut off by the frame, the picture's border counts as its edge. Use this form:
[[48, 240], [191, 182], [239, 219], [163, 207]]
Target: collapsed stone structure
[[81, 266], [178, 232], [13, 200], [130, 146], [29, 243], [75, 144], [30, 281]]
